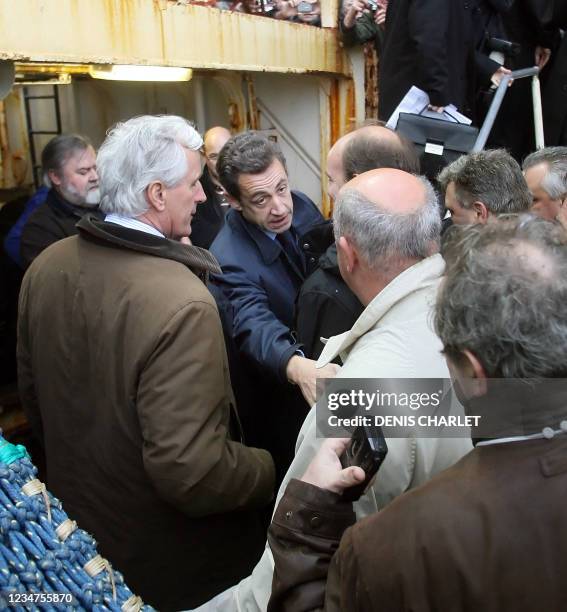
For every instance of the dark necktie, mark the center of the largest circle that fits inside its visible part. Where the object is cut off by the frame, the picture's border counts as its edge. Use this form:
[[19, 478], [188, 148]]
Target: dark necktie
[[289, 245]]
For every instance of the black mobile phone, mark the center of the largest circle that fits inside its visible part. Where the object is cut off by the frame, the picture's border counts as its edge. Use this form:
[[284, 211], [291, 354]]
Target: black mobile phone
[[367, 449]]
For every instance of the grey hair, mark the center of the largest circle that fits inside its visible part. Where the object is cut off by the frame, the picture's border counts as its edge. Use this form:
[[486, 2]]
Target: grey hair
[[555, 180], [504, 297], [381, 234], [138, 152], [491, 177], [57, 152]]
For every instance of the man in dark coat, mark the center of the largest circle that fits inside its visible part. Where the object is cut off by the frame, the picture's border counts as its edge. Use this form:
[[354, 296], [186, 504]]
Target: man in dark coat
[[427, 43], [123, 370], [326, 306], [209, 217], [488, 533], [534, 24], [555, 98], [263, 268], [554, 90], [69, 169]]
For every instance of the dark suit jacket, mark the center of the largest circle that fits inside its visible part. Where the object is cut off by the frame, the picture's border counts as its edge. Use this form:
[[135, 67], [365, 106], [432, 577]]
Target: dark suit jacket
[[325, 305], [256, 295], [209, 216], [555, 98], [554, 15], [529, 23], [261, 284], [488, 534]]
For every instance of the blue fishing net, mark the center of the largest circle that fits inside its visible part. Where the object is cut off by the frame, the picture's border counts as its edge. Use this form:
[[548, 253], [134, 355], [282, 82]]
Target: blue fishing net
[[46, 561]]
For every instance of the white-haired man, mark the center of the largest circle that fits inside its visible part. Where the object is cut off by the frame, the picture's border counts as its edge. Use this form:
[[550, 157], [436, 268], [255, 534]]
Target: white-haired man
[[546, 176], [123, 370]]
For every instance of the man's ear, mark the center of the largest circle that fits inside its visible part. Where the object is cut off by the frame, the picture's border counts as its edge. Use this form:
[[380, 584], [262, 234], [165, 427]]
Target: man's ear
[[467, 374], [348, 253], [476, 372], [54, 178], [156, 196], [234, 203], [474, 366], [481, 211]]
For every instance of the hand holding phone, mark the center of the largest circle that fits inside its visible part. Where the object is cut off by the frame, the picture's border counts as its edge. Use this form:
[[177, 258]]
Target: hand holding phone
[[367, 449]]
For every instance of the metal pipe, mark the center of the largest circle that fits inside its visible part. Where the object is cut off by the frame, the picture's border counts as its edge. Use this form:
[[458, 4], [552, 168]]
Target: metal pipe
[[497, 102], [538, 113], [200, 114], [525, 72], [491, 115]]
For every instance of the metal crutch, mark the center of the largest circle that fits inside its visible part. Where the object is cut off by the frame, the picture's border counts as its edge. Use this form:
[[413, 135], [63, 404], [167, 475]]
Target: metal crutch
[[497, 102]]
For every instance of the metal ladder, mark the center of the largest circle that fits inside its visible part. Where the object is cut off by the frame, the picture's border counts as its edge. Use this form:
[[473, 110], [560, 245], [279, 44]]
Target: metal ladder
[[36, 165]]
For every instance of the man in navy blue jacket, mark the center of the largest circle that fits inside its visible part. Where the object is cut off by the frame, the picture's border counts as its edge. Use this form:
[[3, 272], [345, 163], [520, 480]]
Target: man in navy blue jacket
[[263, 269]]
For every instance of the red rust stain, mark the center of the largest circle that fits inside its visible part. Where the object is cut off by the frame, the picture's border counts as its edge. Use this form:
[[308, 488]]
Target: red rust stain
[[335, 111]]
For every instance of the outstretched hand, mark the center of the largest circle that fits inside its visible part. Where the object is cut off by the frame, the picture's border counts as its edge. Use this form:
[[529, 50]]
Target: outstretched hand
[[304, 373]]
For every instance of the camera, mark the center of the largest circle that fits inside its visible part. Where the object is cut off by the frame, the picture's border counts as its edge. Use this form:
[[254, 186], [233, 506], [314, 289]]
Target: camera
[[304, 7], [372, 5]]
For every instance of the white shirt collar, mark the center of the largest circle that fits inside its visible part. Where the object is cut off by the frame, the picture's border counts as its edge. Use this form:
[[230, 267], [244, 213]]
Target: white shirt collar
[[133, 224], [548, 433]]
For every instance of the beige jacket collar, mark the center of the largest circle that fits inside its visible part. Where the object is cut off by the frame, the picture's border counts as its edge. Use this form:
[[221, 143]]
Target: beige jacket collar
[[418, 277]]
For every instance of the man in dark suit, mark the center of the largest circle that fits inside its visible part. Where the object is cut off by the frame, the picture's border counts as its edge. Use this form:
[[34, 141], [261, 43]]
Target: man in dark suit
[[209, 217], [535, 25], [263, 269], [431, 44]]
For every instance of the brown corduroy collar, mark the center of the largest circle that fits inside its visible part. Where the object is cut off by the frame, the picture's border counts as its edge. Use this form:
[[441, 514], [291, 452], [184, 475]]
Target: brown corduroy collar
[[196, 258]]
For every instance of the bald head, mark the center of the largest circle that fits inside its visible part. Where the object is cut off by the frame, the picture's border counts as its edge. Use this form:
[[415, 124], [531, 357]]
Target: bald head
[[374, 146], [368, 148], [335, 168], [390, 218], [214, 141], [378, 132], [392, 190]]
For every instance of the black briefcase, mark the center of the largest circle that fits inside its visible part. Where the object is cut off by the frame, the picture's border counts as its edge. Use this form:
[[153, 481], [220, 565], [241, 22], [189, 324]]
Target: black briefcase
[[438, 142]]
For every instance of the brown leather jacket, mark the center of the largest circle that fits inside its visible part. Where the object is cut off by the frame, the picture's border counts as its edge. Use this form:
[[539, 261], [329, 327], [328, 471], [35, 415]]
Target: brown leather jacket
[[487, 534]]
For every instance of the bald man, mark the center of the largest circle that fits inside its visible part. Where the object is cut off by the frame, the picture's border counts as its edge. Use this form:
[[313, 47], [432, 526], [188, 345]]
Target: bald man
[[387, 229], [326, 306], [209, 217]]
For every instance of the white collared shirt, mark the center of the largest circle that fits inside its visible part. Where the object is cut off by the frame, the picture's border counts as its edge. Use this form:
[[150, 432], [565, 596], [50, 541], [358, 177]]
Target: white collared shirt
[[548, 433], [133, 224]]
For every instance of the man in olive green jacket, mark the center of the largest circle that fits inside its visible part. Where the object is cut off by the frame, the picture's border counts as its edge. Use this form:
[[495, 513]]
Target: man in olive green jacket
[[123, 370]]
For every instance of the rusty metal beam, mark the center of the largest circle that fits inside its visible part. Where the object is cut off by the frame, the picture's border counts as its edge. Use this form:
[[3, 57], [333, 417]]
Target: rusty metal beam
[[158, 32]]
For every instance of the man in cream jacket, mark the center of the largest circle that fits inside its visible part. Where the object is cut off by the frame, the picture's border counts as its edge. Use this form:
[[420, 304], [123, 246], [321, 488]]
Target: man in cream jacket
[[387, 229]]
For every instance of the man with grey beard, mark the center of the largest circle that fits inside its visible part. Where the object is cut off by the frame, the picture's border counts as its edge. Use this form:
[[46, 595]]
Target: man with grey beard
[[69, 170]]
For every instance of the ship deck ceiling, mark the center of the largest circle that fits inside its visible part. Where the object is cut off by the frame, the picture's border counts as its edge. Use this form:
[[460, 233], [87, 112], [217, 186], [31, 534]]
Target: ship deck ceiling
[[163, 33]]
